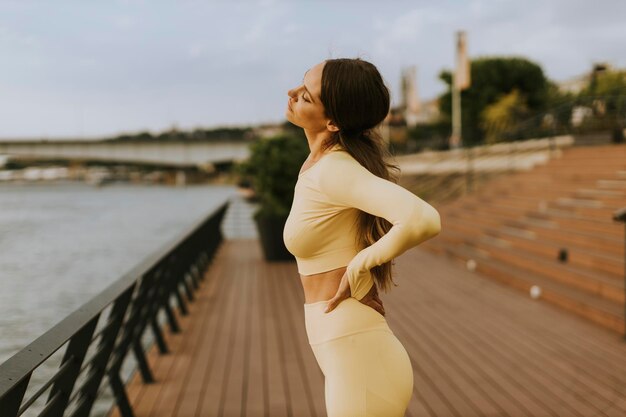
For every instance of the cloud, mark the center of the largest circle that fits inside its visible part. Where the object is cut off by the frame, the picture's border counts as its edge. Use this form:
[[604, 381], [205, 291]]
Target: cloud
[[207, 63]]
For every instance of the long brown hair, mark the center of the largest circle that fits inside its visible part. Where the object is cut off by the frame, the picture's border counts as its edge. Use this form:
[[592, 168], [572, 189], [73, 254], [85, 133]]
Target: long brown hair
[[356, 99]]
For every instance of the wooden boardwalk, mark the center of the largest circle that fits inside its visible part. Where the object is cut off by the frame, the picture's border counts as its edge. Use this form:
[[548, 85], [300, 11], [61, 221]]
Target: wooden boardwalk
[[478, 348]]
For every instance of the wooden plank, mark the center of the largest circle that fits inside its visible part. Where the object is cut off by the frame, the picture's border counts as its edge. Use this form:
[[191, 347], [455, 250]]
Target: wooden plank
[[532, 360], [181, 359], [211, 400], [555, 328], [523, 391], [232, 400], [255, 404], [478, 348], [277, 390], [495, 386], [190, 391]]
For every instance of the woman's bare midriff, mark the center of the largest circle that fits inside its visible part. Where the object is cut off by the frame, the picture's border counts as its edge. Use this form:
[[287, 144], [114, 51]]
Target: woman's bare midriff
[[322, 286]]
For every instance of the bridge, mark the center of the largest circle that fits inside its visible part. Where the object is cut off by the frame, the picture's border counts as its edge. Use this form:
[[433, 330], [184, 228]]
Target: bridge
[[189, 154], [176, 154]]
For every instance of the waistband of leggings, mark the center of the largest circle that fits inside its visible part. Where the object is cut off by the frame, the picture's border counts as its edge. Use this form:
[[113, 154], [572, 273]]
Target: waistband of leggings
[[349, 317]]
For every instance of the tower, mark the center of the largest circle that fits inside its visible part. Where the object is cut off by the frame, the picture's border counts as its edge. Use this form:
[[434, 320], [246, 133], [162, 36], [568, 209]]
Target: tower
[[410, 104]]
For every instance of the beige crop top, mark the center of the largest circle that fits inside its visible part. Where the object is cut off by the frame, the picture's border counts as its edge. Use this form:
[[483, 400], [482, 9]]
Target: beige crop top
[[321, 227]]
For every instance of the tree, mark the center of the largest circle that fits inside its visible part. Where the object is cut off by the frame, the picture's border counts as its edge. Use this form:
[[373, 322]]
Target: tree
[[606, 95], [503, 115], [492, 78]]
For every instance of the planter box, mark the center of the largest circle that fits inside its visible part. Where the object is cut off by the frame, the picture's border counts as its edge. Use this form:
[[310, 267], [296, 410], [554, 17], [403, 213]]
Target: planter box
[[271, 237]]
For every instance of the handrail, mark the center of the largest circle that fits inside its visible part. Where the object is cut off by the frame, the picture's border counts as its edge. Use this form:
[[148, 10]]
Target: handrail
[[461, 171], [135, 299]]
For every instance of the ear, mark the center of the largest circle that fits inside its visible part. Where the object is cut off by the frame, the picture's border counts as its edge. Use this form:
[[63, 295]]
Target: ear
[[330, 125]]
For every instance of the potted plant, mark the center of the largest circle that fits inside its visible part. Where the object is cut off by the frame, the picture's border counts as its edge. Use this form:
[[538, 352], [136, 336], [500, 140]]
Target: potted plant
[[272, 170]]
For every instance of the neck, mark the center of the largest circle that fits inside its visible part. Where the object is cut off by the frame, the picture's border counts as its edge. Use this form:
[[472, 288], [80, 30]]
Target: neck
[[315, 140]]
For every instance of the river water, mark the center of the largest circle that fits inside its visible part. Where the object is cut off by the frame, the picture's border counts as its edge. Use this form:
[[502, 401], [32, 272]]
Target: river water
[[62, 243]]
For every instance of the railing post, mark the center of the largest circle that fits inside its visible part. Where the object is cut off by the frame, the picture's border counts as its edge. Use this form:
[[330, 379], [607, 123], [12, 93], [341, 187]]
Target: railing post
[[469, 170], [75, 352], [552, 143], [163, 298], [142, 362], [119, 391], [134, 322], [620, 216], [176, 275], [10, 403], [107, 344], [187, 286]]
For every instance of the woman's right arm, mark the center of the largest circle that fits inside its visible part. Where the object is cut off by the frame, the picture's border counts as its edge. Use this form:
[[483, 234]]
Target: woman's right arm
[[347, 183]]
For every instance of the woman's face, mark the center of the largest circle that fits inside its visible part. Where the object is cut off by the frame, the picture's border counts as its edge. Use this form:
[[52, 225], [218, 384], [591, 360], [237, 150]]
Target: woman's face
[[304, 107]]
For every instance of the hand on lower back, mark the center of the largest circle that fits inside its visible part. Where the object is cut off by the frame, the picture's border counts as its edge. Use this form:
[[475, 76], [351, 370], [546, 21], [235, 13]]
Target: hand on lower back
[[370, 299]]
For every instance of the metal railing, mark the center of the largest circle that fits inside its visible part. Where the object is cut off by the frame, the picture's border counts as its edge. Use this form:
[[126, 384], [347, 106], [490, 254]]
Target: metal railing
[[471, 166], [133, 303], [444, 176]]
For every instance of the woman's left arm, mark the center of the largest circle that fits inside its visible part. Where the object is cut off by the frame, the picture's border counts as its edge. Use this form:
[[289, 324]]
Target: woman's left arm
[[346, 182]]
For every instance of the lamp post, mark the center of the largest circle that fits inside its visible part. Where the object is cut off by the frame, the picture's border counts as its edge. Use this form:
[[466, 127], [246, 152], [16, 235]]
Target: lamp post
[[460, 81]]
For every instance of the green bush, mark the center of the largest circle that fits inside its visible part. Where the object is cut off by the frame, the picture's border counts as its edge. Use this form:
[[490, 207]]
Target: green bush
[[272, 169]]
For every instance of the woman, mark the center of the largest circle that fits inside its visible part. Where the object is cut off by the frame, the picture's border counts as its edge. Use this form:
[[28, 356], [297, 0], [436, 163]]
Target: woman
[[348, 220]]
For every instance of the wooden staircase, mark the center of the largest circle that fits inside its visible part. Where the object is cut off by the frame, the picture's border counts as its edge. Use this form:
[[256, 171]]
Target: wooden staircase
[[517, 229]]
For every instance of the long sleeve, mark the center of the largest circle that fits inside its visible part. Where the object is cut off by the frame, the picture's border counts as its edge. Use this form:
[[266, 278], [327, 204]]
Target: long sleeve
[[345, 182]]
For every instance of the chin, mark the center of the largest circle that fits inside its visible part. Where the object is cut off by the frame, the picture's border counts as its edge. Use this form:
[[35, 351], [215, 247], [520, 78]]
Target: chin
[[290, 119]]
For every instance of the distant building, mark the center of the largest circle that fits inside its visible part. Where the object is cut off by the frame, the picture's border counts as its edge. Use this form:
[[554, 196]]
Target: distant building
[[410, 102], [578, 83], [411, 111], [429, 111], [268, 130]]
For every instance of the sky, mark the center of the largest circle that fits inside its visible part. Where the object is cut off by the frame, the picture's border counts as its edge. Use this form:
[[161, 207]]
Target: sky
[[76, 69]]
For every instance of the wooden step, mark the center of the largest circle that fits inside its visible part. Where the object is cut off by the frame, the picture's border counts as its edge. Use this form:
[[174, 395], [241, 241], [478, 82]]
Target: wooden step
[[551, 218], [593, 282], [596, 193], [541, 230], [574, 238], [609, 184], [547, 189], [586, 258], [568, 221], [515, 225], [587, 306], [601, 213], [506, 210]]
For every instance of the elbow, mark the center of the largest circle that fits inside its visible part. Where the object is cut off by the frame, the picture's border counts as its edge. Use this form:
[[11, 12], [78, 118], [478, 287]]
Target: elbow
[[435, 223], [429, 224]]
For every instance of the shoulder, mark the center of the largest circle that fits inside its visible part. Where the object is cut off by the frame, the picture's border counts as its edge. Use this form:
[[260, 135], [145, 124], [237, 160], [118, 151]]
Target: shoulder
[[339, 159], [339, 170]]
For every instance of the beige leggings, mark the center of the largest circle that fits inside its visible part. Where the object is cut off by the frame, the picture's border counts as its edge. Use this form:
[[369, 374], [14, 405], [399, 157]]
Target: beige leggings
[[367, 371]]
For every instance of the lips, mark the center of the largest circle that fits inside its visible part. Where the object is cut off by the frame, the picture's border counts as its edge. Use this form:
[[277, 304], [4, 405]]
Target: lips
[[289, 105]]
